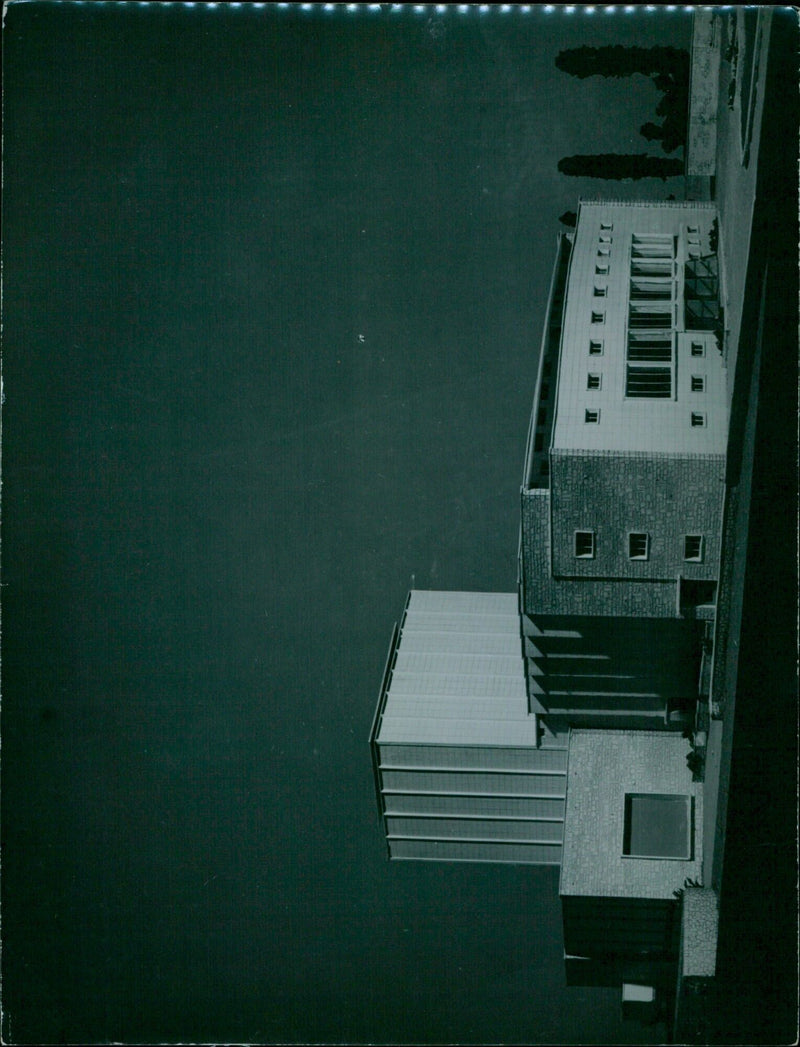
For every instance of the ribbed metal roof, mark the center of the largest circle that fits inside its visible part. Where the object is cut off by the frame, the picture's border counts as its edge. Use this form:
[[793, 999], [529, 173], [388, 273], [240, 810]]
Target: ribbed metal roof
[[459, 676]]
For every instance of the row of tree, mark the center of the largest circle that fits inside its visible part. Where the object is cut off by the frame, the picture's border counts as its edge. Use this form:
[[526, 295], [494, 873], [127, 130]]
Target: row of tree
[[668, 67]]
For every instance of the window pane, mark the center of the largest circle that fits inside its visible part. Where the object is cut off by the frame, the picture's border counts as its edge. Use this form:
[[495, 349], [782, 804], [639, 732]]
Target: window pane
[[649, 382], [584, 543]]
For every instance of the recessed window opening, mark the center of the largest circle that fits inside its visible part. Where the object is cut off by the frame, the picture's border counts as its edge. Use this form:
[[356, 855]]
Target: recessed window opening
[[698, 349], [649, 347], [600, 292], [591, 416], [608, 226], [658, 825], [638, 545], [598, 318], [698, 383], [698, 420], [584, 544], [693, 547], [596, 348], [648, 382], [651, 267], [593, 381], [604, 239]]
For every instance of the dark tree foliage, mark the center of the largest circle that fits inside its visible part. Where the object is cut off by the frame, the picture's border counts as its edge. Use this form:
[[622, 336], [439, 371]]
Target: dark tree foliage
[[569, 218], [620, 165], [662, 62]]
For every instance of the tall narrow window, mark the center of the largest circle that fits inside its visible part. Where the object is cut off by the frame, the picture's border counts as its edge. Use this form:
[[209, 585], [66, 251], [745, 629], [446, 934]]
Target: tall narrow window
[[598, 318], [693, 547], [584, 545], [638, 545], [600, 292], [596, 347], [698, 349]]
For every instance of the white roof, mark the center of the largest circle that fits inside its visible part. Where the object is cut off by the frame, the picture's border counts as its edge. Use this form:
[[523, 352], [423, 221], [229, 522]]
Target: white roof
[[458, 676]]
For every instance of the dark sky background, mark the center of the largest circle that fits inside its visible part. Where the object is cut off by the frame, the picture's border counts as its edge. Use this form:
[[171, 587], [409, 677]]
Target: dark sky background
[[274, 283]]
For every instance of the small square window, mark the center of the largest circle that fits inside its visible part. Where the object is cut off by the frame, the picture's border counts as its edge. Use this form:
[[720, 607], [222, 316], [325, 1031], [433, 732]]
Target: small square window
[[698, 349], [591, 416], [603, 250], [600, 292], [698, 420], [604, 239], [598, 318], [698, 383], [601, 269], [607, 225], [584, 544], [592, 381], [595, 348], [694, 252], [638, 545], [658, 825], [693, 548]]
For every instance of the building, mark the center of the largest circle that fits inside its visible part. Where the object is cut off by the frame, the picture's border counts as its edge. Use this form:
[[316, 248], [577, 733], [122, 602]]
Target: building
[[552, 726]]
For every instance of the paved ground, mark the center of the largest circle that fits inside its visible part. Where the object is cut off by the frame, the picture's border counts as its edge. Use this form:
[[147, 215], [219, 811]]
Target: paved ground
[[756, 991]]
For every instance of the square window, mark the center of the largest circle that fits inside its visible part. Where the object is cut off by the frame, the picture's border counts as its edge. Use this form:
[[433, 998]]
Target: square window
[[698, 383], [603, 250], [596, 348], [658, 825], [591, 416], [601, 269], [584, 545], [692, 229], [598, 318], [607, 225], [604, 239], [649, 382], [698, 349], [593, 381], [693, 547], [698, 420], [638, 545], [600, 292]]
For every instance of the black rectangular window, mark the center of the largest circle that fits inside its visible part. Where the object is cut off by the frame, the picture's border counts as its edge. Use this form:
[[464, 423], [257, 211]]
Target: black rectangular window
[[595, 348], [698, 349], [698, 420], [693, 547], [658, 825], [698, 383], [649, 348], [638, 545], [649, 382], [591, 416], [600, 292], [584, 544], [593, 381]]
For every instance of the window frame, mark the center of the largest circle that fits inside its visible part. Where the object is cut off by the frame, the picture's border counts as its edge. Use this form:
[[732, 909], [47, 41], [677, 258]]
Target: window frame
[[638, 535], [584, 535], [701, 544]]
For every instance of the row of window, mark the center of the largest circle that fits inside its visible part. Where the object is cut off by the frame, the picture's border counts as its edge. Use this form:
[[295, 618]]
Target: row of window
[[641, 344], [698, 419], [639, 546], [595, 380]]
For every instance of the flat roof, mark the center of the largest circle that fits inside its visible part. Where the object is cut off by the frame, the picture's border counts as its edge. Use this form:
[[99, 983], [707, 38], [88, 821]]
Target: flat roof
[[458, 676]]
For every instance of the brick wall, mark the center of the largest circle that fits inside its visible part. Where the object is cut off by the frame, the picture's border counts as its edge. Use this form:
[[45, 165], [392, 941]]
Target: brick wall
[[612, 494], [543, 594]]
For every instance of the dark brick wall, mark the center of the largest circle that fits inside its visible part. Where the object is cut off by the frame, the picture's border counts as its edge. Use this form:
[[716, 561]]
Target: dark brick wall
[[612, 494], [545, 595]]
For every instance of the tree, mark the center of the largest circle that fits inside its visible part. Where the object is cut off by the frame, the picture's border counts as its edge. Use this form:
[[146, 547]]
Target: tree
[[663, 63], [620, 165]]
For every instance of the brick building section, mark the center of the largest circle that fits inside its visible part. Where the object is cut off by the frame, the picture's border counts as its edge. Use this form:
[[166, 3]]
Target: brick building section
[[543, 594], [664, 496], [612, 903]]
